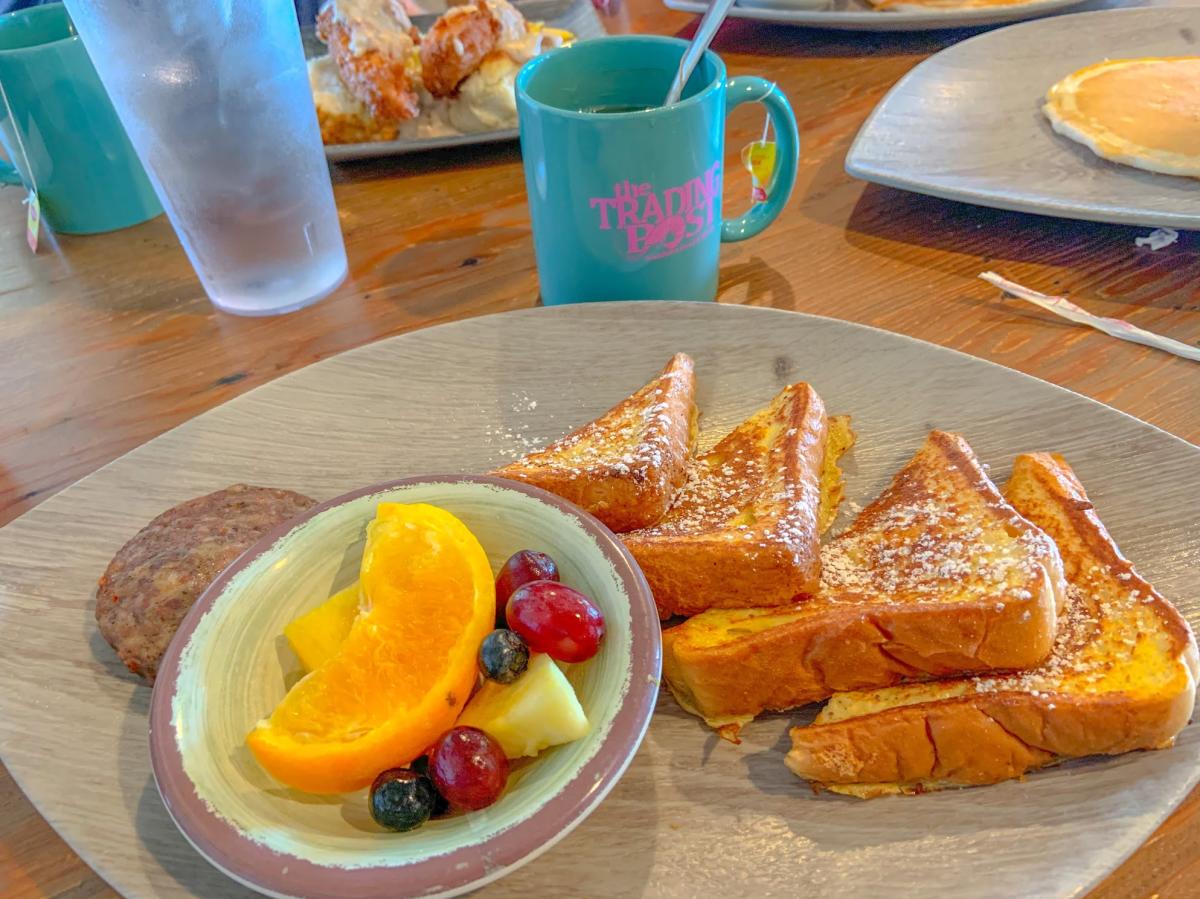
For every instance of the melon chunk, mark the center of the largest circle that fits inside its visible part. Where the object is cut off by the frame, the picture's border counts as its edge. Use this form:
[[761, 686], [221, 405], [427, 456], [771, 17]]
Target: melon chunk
[[317, 635], [538, 710]]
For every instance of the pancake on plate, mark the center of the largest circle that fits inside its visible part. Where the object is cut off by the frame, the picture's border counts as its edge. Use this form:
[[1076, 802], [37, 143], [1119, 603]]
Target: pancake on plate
[[1140, 112]]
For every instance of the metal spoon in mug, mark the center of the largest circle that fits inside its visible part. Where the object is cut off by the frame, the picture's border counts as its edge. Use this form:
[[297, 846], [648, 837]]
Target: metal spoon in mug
[[704, 34]]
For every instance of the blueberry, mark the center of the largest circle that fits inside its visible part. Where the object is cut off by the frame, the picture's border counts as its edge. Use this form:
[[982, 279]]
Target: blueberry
[[441, 805], [402, 799], [503, 656]]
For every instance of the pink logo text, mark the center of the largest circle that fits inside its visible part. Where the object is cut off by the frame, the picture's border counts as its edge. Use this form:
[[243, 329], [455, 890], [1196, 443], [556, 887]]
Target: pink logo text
[[657, 225]]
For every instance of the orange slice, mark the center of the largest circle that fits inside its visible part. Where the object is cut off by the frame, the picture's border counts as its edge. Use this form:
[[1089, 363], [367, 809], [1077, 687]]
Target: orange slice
[[405, 670]]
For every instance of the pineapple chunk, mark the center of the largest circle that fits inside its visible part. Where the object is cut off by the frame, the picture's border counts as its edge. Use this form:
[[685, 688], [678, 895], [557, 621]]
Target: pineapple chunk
[[316, 635], [538, 710]]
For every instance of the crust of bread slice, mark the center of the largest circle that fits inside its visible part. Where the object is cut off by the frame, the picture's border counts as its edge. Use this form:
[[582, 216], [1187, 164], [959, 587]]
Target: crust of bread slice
[[939, 575], [1122, 676], [744, 529], [626, 466]]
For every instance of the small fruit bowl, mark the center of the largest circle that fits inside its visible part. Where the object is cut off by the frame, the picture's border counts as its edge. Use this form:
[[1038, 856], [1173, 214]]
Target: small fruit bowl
[[229, 665]]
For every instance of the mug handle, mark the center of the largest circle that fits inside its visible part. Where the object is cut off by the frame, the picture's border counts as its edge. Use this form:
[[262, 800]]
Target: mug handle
[[8, 173], [752, 89]]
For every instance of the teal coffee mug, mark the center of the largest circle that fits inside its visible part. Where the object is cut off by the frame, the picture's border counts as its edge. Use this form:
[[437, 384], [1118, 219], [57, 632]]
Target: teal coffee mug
[[60, 131], [625, 195]]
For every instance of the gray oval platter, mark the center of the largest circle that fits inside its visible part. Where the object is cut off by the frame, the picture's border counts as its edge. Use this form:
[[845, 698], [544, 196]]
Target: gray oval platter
[[693, 815]]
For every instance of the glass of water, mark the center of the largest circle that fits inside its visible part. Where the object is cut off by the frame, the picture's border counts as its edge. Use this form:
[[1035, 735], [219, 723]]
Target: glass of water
[[214, 95]]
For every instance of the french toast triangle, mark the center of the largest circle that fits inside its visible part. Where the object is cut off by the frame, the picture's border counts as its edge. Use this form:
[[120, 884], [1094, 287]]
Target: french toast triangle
[[1121, 676], [939, 575], [627, 465], [744, 528]]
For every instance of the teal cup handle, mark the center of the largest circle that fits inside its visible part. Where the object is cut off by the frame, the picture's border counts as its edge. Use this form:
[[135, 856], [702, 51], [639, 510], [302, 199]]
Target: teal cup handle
[[752, 89], [9, 173]]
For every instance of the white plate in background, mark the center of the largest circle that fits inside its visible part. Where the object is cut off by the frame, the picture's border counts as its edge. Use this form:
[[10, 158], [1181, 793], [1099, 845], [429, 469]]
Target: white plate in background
[[857, 15]]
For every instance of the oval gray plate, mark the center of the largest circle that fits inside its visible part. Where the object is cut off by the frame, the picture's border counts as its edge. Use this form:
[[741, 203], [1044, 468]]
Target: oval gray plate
[[967, 124], [692, 815]]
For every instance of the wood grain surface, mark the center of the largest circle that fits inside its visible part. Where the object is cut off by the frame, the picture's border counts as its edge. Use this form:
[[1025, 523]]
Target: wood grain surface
[[107, 341]]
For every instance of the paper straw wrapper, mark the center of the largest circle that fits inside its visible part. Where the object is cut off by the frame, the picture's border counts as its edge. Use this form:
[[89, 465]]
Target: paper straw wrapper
[[1113, 327]]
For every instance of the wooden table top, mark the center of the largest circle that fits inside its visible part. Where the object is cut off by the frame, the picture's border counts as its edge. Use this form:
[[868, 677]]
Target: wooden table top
[[110, 341]]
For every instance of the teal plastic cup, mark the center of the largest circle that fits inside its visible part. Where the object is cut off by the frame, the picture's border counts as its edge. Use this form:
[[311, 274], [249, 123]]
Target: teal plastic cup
[[626, 205], [60, 131]]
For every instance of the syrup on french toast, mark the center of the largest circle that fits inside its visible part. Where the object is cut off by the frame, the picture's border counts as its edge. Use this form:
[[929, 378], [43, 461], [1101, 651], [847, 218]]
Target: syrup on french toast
[[626, 466], [1121, 676], [743, 530], [939, 575]]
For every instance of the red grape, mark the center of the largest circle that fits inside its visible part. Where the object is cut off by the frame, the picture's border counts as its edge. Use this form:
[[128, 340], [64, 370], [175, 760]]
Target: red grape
[[557, 620], [468, 768], [521, 568]]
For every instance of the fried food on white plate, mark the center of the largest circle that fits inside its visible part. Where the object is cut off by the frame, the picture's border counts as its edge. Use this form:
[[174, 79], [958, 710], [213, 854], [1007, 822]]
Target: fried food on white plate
[[487, 99], [1139, 112], [456, 45], [513, 27], [465, 36], [402, 9], [371, 43], [344, 119], [366, 89]]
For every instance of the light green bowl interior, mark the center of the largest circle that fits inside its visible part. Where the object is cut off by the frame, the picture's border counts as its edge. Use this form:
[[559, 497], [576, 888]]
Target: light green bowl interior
[[237, 665]]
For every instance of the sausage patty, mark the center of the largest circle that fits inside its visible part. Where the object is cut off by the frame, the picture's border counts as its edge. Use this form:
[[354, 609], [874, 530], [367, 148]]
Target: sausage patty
[[153, 580]]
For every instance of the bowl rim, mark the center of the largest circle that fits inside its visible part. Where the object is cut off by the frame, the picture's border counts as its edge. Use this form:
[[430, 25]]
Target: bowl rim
[[462, 869]]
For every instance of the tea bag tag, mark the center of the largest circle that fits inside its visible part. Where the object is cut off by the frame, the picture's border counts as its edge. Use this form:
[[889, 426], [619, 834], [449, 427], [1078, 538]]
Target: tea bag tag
[[758, 158], [33, 220], [33, 208]]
